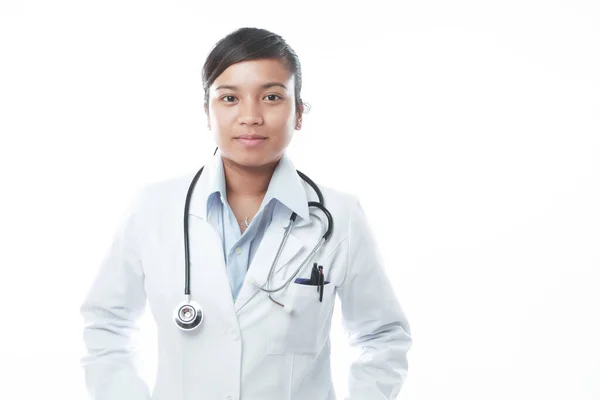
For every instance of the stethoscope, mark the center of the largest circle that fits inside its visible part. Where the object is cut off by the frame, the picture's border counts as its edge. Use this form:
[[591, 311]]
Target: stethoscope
[[188, 315]]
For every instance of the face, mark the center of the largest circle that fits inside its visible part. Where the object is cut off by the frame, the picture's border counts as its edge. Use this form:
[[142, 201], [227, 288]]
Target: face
[[253, 98]]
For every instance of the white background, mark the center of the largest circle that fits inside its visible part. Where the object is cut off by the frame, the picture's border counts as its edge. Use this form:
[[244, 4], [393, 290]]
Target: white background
[[469, 130]]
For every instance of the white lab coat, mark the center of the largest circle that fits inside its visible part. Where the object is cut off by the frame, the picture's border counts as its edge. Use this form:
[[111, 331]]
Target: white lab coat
[[250, 349]]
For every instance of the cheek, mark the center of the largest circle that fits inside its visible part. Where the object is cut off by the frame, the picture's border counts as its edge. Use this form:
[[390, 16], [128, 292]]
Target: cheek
[[280, 118], [223, 115], [223, 123]]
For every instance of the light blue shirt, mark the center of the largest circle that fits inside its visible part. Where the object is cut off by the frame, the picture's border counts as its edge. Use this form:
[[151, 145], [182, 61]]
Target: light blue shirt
[[239, 248]]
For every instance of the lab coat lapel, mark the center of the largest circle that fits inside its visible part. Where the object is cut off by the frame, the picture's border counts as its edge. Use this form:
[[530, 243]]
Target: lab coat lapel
[[266, 252]]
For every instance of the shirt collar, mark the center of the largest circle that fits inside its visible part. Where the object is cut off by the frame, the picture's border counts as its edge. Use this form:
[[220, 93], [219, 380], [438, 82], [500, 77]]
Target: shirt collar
[[285, 186]]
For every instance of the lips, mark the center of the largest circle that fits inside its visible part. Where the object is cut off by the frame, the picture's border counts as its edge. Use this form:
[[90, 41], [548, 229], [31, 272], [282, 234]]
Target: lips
[[251, 141], [250, 137]]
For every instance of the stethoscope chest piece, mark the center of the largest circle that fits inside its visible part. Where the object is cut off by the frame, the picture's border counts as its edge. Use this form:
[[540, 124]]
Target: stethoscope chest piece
[[188, 315]]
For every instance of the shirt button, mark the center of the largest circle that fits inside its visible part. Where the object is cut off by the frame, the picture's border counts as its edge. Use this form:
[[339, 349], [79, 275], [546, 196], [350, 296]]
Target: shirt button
[[238, 250]]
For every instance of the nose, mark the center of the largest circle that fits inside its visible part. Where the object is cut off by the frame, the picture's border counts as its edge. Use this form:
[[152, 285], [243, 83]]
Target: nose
[[249, 113]]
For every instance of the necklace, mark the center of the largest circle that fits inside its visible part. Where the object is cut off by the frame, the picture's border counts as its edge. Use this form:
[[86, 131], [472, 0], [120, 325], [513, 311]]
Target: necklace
[[246, 222]]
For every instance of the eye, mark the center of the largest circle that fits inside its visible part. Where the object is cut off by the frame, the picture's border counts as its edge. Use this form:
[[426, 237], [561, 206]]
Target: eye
[[273, 95], [227, 97]]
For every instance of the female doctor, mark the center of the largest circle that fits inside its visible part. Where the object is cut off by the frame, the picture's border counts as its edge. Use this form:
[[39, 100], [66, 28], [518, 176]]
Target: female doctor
[[238, 315]]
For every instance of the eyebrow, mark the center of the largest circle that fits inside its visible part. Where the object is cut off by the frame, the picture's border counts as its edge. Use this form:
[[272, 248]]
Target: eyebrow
[[265, 86]]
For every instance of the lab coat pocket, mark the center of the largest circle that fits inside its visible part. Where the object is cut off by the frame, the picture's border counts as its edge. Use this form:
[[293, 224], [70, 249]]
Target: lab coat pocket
[[305, 328]]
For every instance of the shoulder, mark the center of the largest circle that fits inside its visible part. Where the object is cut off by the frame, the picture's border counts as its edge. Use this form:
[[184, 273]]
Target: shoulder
[[156, 196], [340, 200], [340, 203], [168, 188]]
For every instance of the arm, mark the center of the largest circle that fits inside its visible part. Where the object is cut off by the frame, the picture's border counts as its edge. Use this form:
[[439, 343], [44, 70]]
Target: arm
[[372, 316], [111, 311]]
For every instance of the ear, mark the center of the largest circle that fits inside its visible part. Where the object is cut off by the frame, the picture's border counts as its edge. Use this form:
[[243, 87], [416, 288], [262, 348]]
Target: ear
[[299, 118], [207, 114]]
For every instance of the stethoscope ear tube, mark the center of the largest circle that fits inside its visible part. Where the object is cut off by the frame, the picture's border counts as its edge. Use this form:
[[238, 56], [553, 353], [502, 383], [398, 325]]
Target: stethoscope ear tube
[[313, 185], [321, 207], [186, 238]]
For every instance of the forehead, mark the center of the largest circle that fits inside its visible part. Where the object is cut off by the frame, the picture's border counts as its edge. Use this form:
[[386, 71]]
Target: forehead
[[254, 73]]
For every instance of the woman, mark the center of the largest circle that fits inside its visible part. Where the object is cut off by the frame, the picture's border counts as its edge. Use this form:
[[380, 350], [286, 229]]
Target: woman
[[230, 338]]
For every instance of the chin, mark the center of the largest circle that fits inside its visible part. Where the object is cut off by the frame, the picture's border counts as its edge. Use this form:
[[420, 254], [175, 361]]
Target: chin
[[251, 159], [248, 159]]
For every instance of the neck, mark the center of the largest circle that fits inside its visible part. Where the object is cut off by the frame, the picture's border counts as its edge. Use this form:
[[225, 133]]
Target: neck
[[247, 181]]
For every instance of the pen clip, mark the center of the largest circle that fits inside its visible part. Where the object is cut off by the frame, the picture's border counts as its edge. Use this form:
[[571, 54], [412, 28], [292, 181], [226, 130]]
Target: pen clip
[[321, 283], [314, 276]]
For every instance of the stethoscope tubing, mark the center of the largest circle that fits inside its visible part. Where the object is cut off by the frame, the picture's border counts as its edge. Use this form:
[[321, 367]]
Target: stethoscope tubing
[[318, 204]]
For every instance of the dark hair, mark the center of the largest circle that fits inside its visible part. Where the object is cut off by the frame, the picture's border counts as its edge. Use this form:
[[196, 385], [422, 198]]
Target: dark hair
[[250, 44]]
